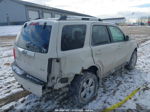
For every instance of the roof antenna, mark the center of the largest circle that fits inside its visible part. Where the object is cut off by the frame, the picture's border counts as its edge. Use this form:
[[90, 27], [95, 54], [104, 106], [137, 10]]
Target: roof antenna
[[100, 19], [37, 18]]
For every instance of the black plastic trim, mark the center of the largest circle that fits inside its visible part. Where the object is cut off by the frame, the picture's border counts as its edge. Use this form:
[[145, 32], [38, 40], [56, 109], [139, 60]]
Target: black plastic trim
[[49, 68]]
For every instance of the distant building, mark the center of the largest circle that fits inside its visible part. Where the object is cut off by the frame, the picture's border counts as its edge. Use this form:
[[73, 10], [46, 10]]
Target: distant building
[[120, 20], [18, 12], [144, 20]]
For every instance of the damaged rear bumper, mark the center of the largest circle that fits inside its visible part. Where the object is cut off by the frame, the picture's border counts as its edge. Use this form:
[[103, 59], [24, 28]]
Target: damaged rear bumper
[[29, 82]]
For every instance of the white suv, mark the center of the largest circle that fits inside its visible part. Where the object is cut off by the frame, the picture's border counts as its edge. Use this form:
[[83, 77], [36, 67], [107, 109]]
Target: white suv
[[74, 51]]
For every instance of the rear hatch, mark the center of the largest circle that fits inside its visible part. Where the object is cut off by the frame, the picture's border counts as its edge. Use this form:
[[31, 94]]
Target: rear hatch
[[31, 49]]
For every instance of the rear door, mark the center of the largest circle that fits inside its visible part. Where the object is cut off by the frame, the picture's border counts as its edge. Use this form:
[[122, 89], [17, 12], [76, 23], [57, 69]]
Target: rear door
[[102, 48], [32, 49]]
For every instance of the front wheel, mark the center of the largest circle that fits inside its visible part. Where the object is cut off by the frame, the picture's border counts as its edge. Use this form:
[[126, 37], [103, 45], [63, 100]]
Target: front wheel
[[84, 88], [133, 61]]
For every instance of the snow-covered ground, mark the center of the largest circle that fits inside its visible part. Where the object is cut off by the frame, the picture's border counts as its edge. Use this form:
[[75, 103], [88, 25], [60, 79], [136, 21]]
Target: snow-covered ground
[[8, 84], [115, 88], [9, 30]]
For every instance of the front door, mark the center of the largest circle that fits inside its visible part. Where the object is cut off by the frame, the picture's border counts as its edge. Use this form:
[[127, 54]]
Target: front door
[[118, 40]]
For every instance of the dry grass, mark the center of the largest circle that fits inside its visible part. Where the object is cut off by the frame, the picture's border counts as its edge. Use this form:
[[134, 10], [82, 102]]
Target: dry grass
[[140, 33], [136, 30], [7, 38]]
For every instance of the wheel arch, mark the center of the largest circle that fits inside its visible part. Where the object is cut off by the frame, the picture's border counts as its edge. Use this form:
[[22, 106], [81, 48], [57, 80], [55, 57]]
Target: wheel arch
[[93, 69]]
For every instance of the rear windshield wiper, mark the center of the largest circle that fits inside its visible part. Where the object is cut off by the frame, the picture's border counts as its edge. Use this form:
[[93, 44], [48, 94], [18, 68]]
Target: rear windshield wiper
[[44, 26], [34, 47]]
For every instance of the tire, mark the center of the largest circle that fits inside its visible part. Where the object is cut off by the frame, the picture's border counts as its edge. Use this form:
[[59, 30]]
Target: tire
[[84, 88], [133, 61]]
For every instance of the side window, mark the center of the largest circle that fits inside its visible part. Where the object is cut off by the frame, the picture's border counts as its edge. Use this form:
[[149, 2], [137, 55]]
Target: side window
[[117, 35], [100, 35], [73, 37]]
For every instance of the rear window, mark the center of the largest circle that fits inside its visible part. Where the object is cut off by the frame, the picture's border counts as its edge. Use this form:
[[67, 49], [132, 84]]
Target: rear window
[[35, 37], [73, 37], [100, 35]]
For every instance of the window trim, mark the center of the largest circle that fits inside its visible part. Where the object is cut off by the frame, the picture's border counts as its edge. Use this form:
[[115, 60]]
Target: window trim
[[62, 33], [92, 35], [112, 41]]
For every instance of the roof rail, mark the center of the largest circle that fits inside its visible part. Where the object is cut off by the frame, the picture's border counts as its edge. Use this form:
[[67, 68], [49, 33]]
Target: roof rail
[[63, 18], [79, 18]]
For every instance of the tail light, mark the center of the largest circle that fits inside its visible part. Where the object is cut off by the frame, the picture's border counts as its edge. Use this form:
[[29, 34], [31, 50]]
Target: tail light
[[14, 53]]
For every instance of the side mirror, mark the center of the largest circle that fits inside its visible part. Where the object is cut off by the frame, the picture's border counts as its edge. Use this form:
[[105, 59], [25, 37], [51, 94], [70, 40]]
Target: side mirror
[[126, 38]]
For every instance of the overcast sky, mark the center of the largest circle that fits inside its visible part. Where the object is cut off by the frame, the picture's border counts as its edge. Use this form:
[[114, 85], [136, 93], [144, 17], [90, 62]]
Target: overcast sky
[[102, 8]]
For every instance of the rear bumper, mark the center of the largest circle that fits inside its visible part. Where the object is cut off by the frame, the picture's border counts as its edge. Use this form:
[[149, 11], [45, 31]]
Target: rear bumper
[[29, 82]]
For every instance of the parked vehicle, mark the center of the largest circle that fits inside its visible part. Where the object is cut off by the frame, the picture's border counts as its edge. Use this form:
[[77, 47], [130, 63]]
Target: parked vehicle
[[74, 51]]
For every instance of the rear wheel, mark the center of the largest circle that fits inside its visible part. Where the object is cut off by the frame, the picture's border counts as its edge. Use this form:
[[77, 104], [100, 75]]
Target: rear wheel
[[84, 88], [133, 61]]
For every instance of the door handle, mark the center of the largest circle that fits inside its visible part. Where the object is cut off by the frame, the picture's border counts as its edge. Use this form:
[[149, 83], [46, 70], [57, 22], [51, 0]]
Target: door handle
[[120, 46], [98, 52]]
